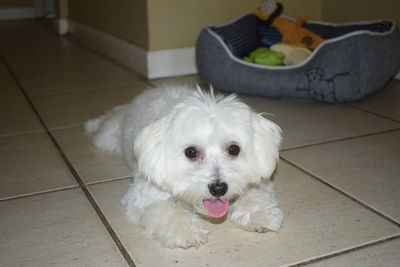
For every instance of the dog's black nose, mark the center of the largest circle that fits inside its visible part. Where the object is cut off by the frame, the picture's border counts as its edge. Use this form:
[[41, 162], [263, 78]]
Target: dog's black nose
[[218, 188]]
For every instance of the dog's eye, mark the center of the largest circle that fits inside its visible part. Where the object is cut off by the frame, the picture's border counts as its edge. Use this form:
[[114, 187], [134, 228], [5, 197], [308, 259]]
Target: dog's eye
[[234, 150], [191, 152]]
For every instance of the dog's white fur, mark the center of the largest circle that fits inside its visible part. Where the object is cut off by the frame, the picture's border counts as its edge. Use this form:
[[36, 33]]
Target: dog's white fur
[[166, 197]]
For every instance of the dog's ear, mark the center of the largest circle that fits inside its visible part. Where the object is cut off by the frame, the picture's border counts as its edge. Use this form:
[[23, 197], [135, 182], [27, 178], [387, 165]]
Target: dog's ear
[[267, 139], [149, 149]]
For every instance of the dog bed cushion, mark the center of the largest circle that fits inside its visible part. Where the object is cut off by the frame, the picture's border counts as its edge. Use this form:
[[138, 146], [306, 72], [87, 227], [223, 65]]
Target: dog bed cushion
[[355, 61]]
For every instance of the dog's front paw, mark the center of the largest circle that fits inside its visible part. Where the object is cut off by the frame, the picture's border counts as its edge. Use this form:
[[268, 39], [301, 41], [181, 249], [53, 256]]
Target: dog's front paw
[[258, 221], [173, 226], [182, 233]]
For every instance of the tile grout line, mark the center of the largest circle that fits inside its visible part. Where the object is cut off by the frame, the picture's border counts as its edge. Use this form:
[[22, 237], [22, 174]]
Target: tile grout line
[[360, 202], [372, 113], [104, 181], [38, 193], [22, 133], [337, 189], [345, 251], [74, 173], [91, 89], [340, 139]]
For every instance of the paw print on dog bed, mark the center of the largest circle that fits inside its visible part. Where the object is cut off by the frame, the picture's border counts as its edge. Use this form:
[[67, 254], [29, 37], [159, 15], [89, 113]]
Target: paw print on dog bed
[[319, 86]]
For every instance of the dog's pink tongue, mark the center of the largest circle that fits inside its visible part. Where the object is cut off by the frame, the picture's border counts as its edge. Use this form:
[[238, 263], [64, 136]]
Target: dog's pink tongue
[[216, 207]]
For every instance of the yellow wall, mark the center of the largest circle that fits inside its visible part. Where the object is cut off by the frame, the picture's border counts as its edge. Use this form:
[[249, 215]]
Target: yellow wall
[[169, 24], [177, 23], [16, 3], [294, 8], [356, 10], [125, 19]]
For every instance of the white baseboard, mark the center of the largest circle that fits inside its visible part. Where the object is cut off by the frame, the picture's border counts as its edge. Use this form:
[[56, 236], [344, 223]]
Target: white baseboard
[[171, 62], [151, 64], [17, 13], [61, 26]]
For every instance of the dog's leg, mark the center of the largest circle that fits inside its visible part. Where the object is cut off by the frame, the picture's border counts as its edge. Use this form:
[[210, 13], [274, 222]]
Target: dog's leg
[[171, 222], [257, 210], [174, 225]]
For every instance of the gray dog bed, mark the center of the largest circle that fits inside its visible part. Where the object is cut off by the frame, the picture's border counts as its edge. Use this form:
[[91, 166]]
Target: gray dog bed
[[355, 61]]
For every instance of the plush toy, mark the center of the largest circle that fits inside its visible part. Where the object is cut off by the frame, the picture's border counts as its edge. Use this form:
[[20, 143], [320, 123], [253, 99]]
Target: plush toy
[[293, 54], [293, 33], [265, 56]]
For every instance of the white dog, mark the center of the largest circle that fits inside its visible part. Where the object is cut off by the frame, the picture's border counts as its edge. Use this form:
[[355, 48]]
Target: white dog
[[193, 155]]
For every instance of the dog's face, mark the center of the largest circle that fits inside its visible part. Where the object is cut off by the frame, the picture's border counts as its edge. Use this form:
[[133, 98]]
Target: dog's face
[[208, 151]]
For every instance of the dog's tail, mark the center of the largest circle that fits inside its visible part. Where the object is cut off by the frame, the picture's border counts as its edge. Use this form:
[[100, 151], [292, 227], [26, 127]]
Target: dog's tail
[[93, 125], [106, 130]]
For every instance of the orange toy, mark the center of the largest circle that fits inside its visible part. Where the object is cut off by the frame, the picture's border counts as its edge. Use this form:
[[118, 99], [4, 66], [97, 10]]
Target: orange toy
[[293, 33]]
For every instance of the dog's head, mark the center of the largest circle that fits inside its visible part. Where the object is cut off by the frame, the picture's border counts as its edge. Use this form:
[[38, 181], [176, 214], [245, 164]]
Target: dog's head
[[208, 151]]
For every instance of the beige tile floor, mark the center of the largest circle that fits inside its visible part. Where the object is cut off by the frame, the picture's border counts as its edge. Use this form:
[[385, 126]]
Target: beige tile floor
[[338, 180]]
